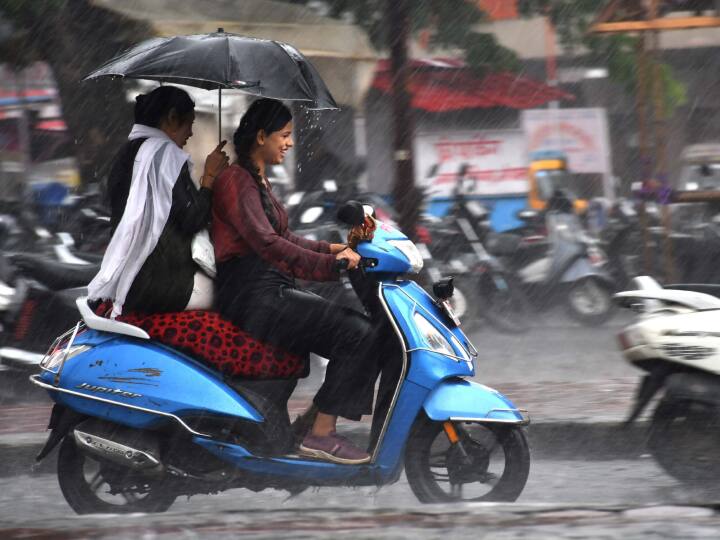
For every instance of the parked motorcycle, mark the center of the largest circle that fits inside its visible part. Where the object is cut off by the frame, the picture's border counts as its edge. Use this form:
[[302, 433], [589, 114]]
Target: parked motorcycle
[[140, 424], [675, 340], [456, 243]]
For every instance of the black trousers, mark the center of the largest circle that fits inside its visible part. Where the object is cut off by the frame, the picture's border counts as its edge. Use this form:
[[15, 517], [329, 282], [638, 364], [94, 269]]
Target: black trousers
[[303, 322]]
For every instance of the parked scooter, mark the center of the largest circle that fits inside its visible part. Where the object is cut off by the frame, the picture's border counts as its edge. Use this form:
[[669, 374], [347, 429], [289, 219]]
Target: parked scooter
[[565, 267], [37, 301], [140, 424], [675, 340]]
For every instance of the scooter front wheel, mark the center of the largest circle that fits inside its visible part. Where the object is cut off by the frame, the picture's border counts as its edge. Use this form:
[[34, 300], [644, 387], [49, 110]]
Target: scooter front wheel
[[684, 438], [490, 462], [94, 486]]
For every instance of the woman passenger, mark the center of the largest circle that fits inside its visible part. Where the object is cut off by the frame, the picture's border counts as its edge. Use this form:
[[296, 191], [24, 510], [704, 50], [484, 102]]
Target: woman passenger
[[155, 212]]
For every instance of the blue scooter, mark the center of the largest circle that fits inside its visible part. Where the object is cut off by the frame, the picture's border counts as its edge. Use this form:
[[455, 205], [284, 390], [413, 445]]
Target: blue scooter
[[140, 424]]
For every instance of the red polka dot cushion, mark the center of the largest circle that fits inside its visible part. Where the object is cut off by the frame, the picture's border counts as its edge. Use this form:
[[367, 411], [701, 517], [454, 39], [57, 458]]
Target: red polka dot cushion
[[208, 337]]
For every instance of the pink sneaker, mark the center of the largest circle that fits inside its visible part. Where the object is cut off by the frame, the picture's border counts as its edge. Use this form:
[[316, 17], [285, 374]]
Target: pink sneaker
[[333, 447]]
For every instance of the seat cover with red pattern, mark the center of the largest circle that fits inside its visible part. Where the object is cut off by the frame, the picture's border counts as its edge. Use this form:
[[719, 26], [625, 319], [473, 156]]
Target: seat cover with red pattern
[[215, 341]]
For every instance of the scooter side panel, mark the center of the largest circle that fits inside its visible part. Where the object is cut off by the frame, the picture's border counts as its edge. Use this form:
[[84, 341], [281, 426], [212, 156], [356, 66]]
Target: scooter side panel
[[404, 298], [147, 375], [470, 400], [582, 268]]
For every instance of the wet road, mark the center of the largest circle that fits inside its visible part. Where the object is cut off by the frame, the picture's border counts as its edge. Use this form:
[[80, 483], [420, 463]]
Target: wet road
[[563, 499], [568, 498]]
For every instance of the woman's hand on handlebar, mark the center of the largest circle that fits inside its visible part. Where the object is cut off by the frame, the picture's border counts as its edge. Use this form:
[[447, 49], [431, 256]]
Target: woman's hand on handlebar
[[215, 163], [353, 259], [337, 248]]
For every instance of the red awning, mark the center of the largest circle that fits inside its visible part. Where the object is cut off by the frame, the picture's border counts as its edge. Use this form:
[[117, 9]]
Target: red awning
[[51, 125], [442, 85]]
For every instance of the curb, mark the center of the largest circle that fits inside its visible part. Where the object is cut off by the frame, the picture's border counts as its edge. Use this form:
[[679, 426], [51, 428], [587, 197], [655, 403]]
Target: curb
[[597, 441]]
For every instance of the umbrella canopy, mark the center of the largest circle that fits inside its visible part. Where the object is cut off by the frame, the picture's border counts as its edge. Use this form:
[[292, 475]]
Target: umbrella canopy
[[222, 60]]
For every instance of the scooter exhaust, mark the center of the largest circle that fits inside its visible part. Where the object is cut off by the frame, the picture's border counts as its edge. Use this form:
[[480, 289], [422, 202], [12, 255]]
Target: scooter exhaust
[[122, 454]]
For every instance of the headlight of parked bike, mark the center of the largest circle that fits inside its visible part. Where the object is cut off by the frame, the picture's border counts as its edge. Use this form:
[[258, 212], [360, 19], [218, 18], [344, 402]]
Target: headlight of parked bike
[[410, 251]]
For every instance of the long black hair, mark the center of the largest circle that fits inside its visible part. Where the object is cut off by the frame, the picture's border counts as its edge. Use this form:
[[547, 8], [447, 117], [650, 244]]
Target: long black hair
[[153, 107], [270, 116]]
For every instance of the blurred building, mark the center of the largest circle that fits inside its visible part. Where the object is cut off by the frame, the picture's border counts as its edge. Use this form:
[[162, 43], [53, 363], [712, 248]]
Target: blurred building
[[34, 142], [692, 54]]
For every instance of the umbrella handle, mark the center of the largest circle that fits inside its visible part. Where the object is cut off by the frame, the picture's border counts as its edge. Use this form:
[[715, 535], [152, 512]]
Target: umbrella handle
[[219, 115]]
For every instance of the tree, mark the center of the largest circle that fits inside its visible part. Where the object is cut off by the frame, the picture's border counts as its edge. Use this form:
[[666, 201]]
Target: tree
[[572, 19], [74, 37], [450, 24]]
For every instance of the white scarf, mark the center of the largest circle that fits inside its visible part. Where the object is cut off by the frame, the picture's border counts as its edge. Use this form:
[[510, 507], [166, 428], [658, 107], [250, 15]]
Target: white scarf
[[157, 166]]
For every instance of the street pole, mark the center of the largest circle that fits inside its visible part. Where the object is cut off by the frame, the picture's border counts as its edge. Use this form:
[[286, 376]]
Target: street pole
[[660, 132], [645, 160], [407, 197]]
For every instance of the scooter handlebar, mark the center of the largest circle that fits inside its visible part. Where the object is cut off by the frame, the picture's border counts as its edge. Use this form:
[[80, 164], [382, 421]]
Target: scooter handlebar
[[365, 262]]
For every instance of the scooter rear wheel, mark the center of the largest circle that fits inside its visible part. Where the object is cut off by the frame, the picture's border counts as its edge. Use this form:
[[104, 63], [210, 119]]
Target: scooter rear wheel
[[94, 486], [589, 301], [496, 467]]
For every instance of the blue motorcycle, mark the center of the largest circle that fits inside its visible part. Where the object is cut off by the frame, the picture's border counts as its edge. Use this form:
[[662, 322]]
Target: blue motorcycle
[[139, 424]]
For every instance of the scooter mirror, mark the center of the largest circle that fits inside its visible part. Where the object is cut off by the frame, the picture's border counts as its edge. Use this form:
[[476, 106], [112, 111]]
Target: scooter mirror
[[444, 288], [352, 213]]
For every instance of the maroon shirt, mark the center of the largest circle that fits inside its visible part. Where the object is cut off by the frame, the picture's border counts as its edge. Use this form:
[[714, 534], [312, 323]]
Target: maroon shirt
[[240, 228]]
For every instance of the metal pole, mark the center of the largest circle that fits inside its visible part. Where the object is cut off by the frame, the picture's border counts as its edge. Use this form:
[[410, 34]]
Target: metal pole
[[406, 196], [645, 165], [660, 170]]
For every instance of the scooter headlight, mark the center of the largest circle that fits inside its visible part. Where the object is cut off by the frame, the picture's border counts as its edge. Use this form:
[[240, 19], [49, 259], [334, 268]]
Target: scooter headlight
[[437, 342], [410, 250], [462, 351]]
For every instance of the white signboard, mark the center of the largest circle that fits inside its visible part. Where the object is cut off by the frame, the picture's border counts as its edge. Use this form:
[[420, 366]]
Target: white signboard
[[495, 161], [581, 134]]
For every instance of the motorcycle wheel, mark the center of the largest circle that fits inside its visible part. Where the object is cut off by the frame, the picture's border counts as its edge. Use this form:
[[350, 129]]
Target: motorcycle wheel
[[590, 302], [498, 467], [95, 486], [506, 310], [684, 438]]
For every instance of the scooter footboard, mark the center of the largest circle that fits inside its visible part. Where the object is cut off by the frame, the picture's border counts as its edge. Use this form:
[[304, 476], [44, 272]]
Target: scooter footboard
[[461, 400]]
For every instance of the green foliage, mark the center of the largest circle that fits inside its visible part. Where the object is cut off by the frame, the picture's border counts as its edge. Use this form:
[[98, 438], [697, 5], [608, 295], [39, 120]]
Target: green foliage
[[451, 23], [572, 19]]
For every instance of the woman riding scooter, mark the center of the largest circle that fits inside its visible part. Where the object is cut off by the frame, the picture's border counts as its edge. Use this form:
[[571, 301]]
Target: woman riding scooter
[[258, 259]]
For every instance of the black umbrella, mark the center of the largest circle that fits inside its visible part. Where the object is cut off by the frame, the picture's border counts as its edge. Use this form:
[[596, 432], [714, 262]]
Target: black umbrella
[[260, 67]]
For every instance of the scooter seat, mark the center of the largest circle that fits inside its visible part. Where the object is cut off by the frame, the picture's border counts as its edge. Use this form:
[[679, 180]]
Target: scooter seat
[[53, 274], [215, 341], [503, 244]]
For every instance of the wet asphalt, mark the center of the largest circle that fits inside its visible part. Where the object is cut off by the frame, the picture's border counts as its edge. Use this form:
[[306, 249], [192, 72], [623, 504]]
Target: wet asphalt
[[568, 497]]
